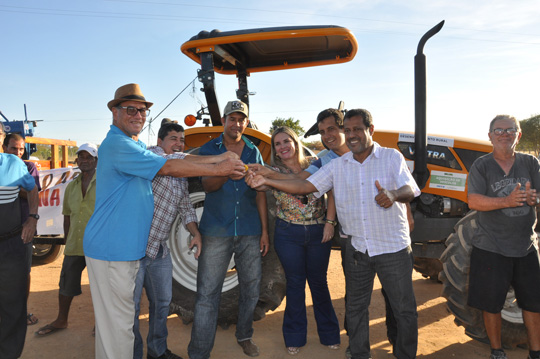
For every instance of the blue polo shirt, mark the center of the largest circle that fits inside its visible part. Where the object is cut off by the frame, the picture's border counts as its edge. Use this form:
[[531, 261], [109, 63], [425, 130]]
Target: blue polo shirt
[[118, 230], [231, 210]]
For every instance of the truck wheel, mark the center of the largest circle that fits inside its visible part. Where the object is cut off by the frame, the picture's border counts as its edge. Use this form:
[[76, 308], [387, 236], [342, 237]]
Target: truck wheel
[[46, 253], [185, 273], [454, 276]]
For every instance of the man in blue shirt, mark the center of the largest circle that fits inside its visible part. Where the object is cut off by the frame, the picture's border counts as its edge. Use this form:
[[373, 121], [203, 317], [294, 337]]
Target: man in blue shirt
[[234, 221], [14, 233], [117, 233]]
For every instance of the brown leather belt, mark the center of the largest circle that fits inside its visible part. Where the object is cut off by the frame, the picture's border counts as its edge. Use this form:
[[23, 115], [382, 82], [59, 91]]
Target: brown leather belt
[[307, 222]]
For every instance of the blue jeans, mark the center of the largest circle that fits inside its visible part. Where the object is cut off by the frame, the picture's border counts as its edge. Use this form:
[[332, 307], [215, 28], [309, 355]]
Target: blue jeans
[[395, 274], [155, 275], [215, 257], [304, 257]]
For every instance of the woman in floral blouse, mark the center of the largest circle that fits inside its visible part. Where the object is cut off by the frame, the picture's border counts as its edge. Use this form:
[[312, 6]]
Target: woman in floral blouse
[[304, 254]]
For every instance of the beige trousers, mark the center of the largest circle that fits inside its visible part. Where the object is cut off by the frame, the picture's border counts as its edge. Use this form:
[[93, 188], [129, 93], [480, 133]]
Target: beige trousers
[[112, 285]]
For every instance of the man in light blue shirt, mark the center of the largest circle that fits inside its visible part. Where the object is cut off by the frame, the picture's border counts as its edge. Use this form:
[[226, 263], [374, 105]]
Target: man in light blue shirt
[[117, 233]]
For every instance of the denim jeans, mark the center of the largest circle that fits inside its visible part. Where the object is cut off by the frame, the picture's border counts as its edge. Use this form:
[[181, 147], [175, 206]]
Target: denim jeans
[[13, 284], [304, 257], [215, 257], [155, 275], [395, 274]]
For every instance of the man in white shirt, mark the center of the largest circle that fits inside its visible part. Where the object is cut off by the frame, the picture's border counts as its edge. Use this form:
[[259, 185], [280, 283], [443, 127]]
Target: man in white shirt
[[372, 185]]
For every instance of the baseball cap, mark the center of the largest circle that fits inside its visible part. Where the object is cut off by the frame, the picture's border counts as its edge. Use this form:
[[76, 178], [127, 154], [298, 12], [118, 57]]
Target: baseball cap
[[90, 148], [236, 106]]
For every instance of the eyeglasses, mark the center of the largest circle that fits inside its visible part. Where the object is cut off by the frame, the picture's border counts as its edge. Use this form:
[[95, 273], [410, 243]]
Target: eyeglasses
[[132, 111], [499, 131]]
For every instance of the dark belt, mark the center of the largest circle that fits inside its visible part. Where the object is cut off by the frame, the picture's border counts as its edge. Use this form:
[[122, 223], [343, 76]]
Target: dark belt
[[11, 234]]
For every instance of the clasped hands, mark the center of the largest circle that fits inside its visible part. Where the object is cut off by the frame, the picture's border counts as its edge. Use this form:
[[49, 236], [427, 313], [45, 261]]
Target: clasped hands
[[519, 197]]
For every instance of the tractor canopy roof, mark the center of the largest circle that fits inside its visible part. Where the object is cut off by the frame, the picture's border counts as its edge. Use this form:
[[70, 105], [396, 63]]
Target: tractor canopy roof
[[275, 48]]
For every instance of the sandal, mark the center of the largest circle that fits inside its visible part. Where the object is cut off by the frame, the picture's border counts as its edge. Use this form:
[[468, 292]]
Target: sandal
[[31, 319], [47, 330], [293, 350], [334, 346]]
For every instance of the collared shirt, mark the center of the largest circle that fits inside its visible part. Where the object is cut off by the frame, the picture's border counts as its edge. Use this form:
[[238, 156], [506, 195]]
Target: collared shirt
[[118, 230], [79, 209], [372, 228], [231, 210], [13, 176], [317, 164], [171, 196]]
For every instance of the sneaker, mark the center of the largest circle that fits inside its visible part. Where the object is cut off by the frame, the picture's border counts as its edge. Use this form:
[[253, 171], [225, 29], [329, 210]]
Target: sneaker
[[250, 349], [167, 355], [497, 354]]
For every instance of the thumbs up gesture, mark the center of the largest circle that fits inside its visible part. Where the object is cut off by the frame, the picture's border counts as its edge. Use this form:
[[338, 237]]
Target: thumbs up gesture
[[384, 198]]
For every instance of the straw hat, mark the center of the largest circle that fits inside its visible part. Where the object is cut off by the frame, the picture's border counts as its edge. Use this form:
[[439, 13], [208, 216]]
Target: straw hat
[[129, 92]]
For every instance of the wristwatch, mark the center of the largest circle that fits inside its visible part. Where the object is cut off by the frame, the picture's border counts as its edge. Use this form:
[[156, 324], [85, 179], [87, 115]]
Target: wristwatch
[[36, 216]]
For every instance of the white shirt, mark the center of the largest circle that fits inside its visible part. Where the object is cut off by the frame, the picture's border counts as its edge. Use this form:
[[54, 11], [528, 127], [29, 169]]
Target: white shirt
[[372, 227]]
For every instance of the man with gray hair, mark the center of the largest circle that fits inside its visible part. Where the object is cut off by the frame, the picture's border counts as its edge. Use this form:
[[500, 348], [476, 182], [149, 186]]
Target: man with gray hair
[[502, 188], [117, 234]]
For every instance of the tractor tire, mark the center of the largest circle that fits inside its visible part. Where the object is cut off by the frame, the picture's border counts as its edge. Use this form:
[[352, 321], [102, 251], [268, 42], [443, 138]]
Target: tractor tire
[[273, 282], [46, 253], [455, 280]]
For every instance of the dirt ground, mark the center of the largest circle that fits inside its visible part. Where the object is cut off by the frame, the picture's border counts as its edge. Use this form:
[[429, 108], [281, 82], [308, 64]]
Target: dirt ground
[[439, 337]]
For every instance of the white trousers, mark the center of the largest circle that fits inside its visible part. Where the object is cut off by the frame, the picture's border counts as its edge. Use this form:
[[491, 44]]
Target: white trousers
[[112, 285]]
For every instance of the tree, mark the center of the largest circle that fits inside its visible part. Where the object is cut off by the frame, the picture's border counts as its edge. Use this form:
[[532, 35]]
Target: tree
[[290, 122], [530, 138]]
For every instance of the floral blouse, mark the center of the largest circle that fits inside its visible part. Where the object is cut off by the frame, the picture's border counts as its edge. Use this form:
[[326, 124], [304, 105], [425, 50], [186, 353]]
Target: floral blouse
[[292, 207]]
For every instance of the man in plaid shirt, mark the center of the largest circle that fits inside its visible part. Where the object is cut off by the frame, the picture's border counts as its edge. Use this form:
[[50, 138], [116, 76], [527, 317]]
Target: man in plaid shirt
[[171, 197]]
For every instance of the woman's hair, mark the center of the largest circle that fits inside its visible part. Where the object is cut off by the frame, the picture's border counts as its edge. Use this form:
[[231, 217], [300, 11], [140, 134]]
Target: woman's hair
[[276, 161]]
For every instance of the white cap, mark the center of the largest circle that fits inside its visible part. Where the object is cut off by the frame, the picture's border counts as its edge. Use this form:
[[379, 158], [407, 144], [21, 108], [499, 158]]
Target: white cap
[[90, 148]]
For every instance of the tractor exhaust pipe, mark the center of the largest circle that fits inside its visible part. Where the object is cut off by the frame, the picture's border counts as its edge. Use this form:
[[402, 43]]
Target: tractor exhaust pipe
[[421, 173]]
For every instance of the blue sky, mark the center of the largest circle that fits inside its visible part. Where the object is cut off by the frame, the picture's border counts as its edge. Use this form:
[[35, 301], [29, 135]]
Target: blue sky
[[65, 59]]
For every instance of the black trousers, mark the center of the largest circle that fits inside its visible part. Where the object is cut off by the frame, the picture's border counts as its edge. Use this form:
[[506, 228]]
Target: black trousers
[[13, 285]]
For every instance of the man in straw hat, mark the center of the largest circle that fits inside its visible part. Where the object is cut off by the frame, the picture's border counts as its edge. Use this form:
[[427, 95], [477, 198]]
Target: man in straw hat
[[117, 233]]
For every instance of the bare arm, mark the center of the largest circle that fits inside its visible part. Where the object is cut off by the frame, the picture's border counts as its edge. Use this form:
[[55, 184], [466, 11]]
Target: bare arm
[[29, 227], [479, 202], [67, 224], [328, 232], [212, 159], [193, 228], [212, 184], [184, 168], [263, 214], [262, 170], [410, 217], [294, 186]]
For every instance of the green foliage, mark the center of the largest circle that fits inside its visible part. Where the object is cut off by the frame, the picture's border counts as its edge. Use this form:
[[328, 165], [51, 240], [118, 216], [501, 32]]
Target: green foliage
[[43, 152], [530, 138], [289, 122], [315, 146]]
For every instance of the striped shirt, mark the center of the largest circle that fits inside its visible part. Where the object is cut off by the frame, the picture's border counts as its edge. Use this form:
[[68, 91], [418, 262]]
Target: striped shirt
[[13, 176], [372, 228], [171, 197]]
